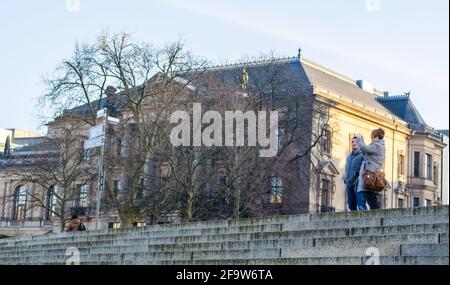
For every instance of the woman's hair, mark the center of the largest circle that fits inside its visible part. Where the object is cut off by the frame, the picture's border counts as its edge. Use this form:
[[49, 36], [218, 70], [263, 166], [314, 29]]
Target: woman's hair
[[74, 217], [379, 133]]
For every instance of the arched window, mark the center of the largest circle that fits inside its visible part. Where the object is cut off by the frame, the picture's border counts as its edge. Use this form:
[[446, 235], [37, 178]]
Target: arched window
[[20, 203], [50, 203]]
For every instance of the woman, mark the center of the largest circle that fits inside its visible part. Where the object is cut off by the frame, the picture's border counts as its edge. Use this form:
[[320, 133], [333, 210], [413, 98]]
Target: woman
[[75, 225], [374, 155]]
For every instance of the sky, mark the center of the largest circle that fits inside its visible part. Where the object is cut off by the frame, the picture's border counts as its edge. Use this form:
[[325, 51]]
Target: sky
[[398, 45]]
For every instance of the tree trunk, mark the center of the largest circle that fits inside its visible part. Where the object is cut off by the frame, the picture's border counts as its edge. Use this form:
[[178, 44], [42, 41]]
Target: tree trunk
[[63, 221], [237, 203], [190, 206]]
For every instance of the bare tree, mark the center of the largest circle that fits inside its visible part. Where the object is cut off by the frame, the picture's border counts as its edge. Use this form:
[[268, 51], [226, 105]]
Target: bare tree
[[150, 86], [79, 80], [59, 168]]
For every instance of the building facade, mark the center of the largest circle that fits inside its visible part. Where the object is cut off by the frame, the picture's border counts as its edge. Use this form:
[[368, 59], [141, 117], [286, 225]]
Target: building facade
[[413, 166], [444, 168], [425, 150]]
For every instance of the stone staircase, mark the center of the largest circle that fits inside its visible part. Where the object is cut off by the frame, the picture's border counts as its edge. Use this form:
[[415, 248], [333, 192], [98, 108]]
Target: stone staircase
[[388, 237]]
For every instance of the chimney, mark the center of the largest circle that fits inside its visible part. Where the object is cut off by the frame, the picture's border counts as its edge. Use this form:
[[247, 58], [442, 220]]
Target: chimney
[[365, 85], [386, 94]]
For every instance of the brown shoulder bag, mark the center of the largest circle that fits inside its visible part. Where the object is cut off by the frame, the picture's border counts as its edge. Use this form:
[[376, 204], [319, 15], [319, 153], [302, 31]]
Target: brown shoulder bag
[[374, 180]]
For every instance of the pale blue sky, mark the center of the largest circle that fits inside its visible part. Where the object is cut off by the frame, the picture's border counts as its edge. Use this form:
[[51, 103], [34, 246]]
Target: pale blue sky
[[400, 46]]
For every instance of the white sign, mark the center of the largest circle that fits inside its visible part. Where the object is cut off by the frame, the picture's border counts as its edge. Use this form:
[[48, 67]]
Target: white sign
[[96, 131], [93, 143], [101, 113], [113, 120]]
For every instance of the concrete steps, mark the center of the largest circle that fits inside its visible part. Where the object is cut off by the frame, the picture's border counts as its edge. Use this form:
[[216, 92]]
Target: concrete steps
[[400, 236]]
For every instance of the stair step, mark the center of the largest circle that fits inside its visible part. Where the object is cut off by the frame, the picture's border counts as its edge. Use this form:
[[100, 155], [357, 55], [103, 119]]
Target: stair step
[[139, 241], [352, 223]]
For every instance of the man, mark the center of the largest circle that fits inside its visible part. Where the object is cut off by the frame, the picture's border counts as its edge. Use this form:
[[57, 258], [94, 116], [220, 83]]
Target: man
[[352, 167], [374, 156]]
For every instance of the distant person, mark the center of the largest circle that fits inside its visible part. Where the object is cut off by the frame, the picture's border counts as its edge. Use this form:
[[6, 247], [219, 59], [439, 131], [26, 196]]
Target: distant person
[[75, 225], [374, 155], [352, 168]]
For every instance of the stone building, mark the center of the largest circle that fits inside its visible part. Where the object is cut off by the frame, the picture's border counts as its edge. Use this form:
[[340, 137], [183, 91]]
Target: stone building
[[18, 138], [425, 148], [444, 168], [413, 157]]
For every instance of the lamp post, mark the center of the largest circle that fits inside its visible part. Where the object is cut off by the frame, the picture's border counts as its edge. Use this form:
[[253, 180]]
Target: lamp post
[[97, 138]]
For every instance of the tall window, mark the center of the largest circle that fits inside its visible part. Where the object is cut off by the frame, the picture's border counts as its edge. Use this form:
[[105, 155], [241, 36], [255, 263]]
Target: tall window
[[165, 169], [116, 186], [326, 141], [50, 203], [83, 198], [416, 164], [280, 133], [20, 203], [400, 203], [416, 202], [276, 190], [436, 174], [428, 166], [140, 190], [325, 192], [86, 154], [401, 164], [119, 147]]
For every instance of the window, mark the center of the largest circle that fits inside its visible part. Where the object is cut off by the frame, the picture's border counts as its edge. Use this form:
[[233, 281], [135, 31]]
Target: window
[[401, 164], [50, 203], [139, 224], [416, 164], [400, 203], [119, 147], [224, 180], [280, 134], [113, 225], [276, 190], [428, 166], [436, 174], [165, 169], [326, 141], [86, 154], [428, 203], [140, 190], [20, 203], [416, 202], [116, 186], [83, 197], [325, 192]]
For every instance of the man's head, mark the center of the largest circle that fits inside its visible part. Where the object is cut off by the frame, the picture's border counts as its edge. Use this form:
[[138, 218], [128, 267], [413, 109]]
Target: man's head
[[354, 144], [377, 134]]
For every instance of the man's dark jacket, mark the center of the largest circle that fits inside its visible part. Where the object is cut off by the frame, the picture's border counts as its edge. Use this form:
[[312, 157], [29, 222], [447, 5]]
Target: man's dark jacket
[[352, 167]]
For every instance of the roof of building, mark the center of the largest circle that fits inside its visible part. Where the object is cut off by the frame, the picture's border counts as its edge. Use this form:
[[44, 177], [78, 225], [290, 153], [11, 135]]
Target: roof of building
[[444, 132], [339, 84], [305, 73], [403, 107]]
